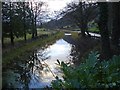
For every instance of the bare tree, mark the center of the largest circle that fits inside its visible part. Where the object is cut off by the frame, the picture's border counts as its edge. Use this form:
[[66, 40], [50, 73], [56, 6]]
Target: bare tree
[[37, 12]]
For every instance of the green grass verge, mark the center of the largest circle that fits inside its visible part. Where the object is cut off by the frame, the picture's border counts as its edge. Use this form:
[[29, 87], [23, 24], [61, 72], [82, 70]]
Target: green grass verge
[[94, 30], [7, 40], [75, 35], [29, 36], [25, 50]]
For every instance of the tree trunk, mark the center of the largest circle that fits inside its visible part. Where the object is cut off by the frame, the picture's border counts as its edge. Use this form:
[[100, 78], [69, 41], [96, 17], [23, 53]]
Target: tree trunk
[[11, 30], [32, 18], [119, 23], [2, 41], [25, 36], [11, 37], [35, 28], [82, 21], [106, 52], [115, 30], [24, 26], [82, 30], [36, 20], [86, 28]]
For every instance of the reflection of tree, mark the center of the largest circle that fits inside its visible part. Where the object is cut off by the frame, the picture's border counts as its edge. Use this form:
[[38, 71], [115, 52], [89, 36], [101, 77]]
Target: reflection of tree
[[75, 54], [44, 56], [31, 68]]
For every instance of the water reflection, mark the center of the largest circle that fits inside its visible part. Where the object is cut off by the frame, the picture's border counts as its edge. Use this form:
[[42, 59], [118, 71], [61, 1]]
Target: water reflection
[[61, 51], [40, 69], [75, 55]]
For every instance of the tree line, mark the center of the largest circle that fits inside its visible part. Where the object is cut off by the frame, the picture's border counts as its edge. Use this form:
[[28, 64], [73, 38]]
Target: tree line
[[20, 18]]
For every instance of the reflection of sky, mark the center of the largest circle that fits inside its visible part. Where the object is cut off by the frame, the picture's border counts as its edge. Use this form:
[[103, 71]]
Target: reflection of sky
[[61, 51]]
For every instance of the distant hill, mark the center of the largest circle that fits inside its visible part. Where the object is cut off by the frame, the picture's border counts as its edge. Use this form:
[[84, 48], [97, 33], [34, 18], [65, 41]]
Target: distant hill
[[70, 19], [64, 22]]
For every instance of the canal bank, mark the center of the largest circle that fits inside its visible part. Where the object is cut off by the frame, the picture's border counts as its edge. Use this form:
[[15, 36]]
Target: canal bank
[[40, 69], [24, 51]]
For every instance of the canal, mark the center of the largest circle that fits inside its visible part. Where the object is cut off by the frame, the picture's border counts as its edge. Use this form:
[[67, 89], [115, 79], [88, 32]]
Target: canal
[[41, 68]]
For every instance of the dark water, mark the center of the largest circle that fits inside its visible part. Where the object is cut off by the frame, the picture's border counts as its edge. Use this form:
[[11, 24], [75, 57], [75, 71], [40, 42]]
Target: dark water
[[41, 68]]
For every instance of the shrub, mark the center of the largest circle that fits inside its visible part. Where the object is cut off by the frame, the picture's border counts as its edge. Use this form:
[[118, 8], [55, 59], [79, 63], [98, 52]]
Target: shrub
[[90, 74]]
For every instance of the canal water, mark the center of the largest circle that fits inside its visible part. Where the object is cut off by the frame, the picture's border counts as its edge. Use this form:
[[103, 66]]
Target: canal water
[[48, 57], [41, 69]]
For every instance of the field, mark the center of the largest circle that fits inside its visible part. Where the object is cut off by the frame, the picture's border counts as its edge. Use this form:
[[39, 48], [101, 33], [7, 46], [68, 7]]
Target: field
[[39, 31]]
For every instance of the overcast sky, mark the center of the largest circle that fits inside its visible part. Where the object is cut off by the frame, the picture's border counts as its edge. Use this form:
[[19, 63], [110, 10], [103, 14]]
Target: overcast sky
[[56, 5]]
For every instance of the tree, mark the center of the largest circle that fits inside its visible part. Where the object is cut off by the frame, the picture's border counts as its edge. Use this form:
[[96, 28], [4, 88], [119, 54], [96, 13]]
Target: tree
[[32, 19], [11, 30], [103, 26], [116, 24], [15, 20], [82, 13], [36, 12], [26, 18], [5, 21]]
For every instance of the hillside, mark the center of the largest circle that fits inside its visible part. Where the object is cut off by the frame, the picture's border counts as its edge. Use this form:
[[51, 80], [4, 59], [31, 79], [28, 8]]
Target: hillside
[[64, 22]]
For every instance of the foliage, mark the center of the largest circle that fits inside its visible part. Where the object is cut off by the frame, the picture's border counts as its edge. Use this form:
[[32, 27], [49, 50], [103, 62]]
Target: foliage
[[90, 74], [19, 19]]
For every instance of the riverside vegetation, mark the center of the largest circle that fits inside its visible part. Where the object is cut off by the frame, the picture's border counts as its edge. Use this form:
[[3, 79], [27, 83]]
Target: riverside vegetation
[[92, 73]]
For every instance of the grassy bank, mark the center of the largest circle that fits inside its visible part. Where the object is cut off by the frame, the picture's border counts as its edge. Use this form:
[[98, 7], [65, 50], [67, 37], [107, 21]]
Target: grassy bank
[[75, 35], [28, 36], [24, 51]]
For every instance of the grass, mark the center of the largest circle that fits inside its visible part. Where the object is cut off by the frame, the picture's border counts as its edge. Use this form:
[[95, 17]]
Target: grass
[[39, 31], [75, 35], [26, 49], [7, 40], [94, 30]]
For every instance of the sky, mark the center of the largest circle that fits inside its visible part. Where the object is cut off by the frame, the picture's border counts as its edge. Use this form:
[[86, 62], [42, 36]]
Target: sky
[[56, 5], [53, 5]]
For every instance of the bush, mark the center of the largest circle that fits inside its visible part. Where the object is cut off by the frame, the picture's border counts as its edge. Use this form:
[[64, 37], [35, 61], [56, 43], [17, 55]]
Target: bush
[[90, 74]]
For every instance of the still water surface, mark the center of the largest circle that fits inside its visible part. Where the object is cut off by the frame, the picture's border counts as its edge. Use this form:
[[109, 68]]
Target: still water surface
[[42, 70], [58, 51]]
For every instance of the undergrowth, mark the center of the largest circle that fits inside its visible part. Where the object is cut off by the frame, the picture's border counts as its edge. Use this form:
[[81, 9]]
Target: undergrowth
[[92, 73]]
